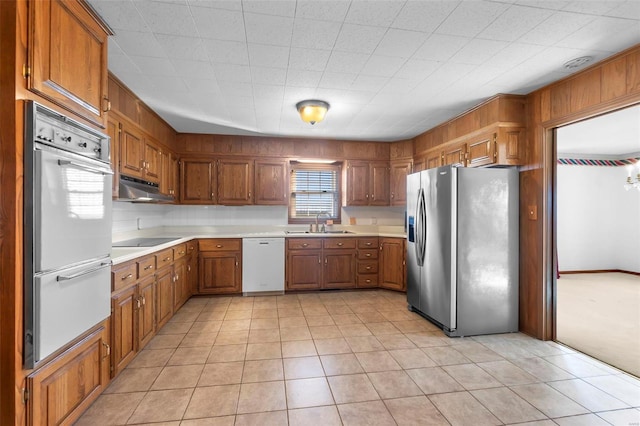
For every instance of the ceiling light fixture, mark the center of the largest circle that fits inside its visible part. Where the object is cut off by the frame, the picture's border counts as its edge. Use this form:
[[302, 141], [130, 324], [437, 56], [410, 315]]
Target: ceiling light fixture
[[312, 111], [578, 62]]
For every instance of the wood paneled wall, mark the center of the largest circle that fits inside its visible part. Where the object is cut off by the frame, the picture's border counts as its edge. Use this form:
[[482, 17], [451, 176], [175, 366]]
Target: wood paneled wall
[[255, 146], [603, 87], [129, 105]]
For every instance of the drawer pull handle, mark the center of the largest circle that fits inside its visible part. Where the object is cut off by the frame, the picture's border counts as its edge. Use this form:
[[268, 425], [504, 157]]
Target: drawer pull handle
[[369, 244], [181, 252], [144, 301], [367, 281], [126, 277], [305, 245], [218, 245], [368, 268], [368, 254], [166, 259], [146, 268], [340, 244], [107, 349]]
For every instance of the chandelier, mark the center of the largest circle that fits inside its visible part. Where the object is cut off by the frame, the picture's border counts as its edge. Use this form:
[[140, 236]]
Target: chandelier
[[633, 183]]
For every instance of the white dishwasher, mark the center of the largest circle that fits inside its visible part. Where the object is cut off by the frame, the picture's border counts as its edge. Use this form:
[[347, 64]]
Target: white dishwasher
[[262, 265]]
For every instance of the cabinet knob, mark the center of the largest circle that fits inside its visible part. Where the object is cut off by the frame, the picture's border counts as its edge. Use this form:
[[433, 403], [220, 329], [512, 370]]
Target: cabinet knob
[[368, 255], [218, 245], [305, 245], [340, 244], [181, 252]]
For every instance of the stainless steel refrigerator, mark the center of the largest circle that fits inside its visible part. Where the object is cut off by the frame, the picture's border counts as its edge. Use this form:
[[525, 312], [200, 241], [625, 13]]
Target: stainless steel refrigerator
[[462, 248]]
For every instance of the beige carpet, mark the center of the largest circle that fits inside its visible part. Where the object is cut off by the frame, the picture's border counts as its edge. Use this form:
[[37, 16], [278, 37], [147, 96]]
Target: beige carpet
[[599, 314]]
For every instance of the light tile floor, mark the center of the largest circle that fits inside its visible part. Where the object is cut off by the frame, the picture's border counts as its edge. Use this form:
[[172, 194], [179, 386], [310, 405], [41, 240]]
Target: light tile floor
[[353, 358]]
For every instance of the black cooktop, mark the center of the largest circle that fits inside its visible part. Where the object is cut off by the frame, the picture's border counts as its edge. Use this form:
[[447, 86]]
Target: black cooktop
[[144, 242]]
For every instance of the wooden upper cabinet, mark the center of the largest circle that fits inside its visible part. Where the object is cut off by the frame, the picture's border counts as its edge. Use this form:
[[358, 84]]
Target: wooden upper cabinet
[[455, 155], [367, 183], [271, 183], [197, 181], [482, 150], [152, 161], [398, 181], [67, 57], [235, 181], [379, 183], [169, 173], [357, 183], [131, 151]]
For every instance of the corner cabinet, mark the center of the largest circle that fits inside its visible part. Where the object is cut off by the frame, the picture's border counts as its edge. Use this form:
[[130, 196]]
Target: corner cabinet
[[220, 266], [63, 389], [67, 57]]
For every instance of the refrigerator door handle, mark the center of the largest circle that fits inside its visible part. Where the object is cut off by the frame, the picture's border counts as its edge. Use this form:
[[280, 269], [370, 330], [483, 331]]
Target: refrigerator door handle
[[421, 228]]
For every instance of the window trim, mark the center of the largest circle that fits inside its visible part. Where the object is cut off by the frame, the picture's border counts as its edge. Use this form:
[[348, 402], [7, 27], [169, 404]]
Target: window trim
[[337, 167]]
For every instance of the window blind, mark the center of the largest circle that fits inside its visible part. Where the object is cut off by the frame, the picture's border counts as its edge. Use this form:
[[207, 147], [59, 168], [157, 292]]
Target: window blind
[[314, 189]]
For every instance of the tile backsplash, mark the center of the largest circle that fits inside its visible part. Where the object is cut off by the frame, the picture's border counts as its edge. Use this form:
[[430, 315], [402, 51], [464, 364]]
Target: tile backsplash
[[134, 216]]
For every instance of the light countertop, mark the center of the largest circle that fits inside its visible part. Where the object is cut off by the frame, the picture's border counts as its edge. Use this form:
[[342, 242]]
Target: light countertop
[[184, 234]]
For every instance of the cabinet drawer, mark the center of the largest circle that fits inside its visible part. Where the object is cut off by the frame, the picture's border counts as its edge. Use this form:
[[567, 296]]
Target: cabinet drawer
[[146, 266], [367, 280], [368, 254], [364, 243], [192, 246], [164, 258], [179, 251], [303, 243], [221, 244], [367, 267], [339, 243], [123, 276]]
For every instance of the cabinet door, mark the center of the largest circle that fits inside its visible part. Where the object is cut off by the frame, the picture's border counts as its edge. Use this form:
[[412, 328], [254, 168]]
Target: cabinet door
[[164, 293], [398, 182], [304, 269], [379, 183], [173, 177], [455, 155], [63, 389], [271, 184], [124, 340], [152, 162], [483, 150], [192, 274], [165, 173], [147, 311], [181, 284], [131, 151], [220, 272], [68, 57], [197, 181], [433, 159], [113, 130], [392, 263], [339, 269], [357, 183], [235, 182]]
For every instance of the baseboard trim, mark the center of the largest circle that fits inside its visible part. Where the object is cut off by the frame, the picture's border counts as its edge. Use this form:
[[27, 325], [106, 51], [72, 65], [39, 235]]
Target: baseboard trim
[[599, 271]]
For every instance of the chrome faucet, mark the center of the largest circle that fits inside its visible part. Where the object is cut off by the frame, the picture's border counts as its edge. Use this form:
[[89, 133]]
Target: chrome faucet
[[323, 225]]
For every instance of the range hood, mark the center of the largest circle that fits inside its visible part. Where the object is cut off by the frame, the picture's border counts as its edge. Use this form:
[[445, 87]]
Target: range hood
[[141, 191]]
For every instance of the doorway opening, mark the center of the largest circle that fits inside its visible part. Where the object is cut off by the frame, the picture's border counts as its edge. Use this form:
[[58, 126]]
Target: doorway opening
[[597, 237]]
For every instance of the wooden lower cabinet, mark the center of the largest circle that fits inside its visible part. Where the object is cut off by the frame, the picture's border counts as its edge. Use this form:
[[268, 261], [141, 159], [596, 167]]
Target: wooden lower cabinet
[[123, 328], [62, 390], [146, 311], [304, 269], [339, 268], [367, 267], [164, 299], [181, 290], [393, 264], [220, 266]]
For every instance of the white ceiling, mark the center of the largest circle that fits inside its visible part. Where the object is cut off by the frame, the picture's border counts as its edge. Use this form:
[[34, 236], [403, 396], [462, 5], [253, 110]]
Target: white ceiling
[[616, 134], [389, 69]]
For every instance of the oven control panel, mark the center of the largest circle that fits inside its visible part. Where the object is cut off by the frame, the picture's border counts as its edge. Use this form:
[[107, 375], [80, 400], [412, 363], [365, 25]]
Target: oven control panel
[[63, 133]]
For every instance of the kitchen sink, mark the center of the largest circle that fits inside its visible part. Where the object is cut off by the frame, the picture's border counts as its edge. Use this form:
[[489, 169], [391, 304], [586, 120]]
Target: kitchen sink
[[325, 232]]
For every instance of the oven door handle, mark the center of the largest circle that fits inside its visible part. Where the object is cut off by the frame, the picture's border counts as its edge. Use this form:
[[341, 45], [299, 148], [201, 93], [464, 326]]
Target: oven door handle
[[84, 167], [80, 274]]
